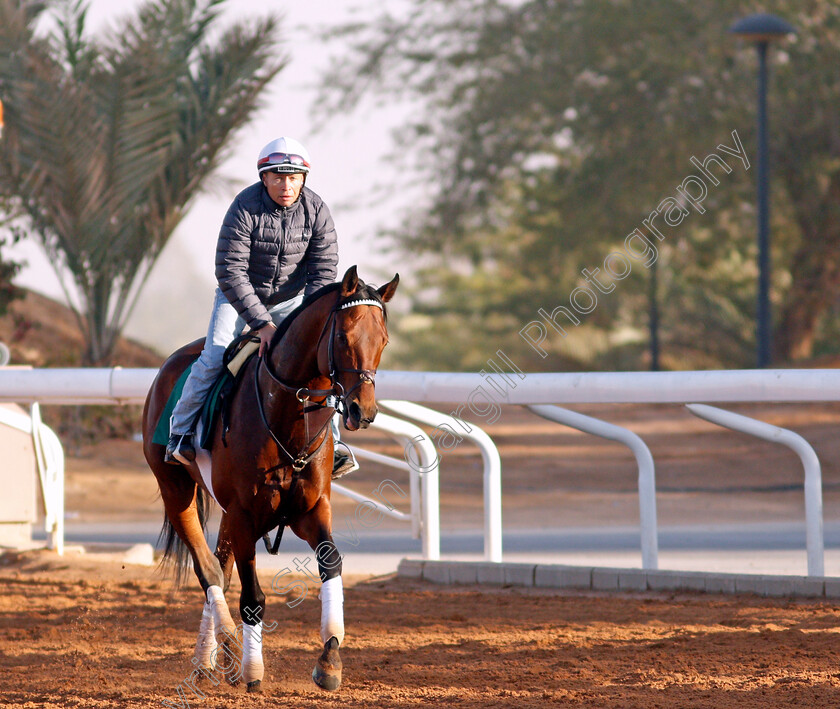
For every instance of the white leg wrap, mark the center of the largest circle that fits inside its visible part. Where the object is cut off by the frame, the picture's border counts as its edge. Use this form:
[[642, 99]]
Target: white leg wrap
[[206, 643], [332, 609], [252, 661], [221, 612]]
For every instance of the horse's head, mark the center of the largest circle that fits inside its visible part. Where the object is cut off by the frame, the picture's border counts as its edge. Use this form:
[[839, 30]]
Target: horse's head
[[353, 350]]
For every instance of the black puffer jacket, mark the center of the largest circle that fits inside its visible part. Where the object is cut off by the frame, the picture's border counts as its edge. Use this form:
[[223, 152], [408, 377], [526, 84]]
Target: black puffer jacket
[[267, 254]]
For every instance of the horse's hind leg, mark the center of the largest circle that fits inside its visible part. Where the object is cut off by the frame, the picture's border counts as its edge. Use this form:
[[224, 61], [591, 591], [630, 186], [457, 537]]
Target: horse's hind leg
[[224, 554], [224, 551], [182, 500], [315, 528]]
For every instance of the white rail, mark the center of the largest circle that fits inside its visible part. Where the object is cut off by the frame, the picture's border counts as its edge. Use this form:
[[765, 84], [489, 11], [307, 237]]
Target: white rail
[[644, 460], [424, 481], [492, 474], [123, 386], [813, 474], [757, 385], [129, 386]]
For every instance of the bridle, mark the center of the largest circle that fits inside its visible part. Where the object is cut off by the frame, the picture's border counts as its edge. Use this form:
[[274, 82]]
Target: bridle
[[306, 394], [365, 375]]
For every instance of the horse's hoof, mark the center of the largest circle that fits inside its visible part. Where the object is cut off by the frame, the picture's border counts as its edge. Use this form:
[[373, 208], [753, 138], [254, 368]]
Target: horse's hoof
[[204, 674], [327, 672], [254, 686], [225, 663]]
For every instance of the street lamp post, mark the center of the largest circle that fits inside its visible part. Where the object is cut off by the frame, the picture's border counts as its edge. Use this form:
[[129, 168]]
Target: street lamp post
[[761, 29]]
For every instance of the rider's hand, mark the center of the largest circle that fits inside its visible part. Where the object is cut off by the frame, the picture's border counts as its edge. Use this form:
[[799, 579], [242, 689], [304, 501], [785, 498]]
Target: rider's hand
[[266, 332]]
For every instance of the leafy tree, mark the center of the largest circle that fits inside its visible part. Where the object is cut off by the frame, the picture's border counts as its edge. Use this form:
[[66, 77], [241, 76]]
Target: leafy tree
[[108, 139], [9, 268], [555, 127]]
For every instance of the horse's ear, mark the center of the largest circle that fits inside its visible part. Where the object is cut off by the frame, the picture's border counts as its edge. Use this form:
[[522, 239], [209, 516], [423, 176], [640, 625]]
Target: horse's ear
[[350, 282], [387, 291]]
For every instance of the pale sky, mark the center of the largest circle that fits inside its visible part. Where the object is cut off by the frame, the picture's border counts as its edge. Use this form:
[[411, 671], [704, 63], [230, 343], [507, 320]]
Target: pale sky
[[349, 167]]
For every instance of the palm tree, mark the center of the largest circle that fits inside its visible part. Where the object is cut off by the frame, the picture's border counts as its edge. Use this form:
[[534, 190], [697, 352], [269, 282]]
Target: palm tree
[[108, 140]]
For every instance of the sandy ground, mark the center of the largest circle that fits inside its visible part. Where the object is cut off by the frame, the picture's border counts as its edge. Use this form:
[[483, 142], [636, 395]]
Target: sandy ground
[[76, 633], [79, 634]]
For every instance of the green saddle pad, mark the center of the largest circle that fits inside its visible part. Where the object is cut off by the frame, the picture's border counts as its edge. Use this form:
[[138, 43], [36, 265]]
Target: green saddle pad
[[209, 412]]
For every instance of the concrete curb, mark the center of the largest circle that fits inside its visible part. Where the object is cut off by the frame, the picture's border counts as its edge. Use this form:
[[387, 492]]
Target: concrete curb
[[606, 579]]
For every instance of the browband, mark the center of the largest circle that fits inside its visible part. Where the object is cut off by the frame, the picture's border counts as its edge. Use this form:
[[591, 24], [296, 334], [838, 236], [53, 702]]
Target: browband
[[366, 301]]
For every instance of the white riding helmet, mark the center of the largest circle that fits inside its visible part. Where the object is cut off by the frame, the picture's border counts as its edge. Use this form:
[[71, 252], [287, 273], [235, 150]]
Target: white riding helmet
[[285, 155]]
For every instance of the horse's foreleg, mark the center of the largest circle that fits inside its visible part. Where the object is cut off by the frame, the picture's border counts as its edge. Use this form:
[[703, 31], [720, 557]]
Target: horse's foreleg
[[316, 528], [332, 591], [251, 603]]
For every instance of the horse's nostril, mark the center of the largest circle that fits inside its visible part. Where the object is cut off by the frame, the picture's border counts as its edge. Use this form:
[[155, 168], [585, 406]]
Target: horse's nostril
[[355, 411]]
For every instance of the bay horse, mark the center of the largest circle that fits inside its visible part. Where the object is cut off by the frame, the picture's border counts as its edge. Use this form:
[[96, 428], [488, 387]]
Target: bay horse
[[272, 468]]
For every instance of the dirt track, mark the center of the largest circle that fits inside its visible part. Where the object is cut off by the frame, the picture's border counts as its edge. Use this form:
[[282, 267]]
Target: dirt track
[[78, 634], [74, 633]]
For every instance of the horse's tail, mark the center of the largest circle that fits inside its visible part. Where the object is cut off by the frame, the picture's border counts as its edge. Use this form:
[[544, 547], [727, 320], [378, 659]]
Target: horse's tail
[[175, 552]]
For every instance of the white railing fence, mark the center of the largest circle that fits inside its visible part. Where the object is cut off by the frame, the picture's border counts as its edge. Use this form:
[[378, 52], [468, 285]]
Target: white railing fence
[[810, 462], [644, 461], [129, 386], [424, 486], [402, 392], [491, 462]]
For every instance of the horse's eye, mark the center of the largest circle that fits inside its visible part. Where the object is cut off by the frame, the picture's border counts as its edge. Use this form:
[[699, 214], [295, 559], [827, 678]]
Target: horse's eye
[[342, 337]]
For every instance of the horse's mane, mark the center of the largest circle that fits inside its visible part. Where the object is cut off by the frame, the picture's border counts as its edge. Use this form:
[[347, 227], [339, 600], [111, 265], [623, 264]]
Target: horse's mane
[[363, 292]]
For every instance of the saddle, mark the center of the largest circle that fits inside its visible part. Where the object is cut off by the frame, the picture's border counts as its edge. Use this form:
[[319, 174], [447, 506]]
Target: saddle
[[217, 404]]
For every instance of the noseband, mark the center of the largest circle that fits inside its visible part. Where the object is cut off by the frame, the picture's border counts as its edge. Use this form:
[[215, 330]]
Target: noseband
[[304, 394]]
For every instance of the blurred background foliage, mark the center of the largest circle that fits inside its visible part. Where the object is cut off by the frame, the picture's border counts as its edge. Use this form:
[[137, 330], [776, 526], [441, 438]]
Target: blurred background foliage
[[549, 129]]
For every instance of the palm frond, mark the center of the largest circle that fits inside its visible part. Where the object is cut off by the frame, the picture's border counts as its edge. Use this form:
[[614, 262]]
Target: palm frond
[[110, 140]]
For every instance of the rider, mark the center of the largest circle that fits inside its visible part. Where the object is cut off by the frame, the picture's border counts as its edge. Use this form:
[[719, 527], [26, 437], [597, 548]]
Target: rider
[[277, 244]]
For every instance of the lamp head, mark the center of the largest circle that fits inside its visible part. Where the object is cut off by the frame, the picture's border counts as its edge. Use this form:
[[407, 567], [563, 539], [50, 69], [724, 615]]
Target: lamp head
[[762, 27]]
